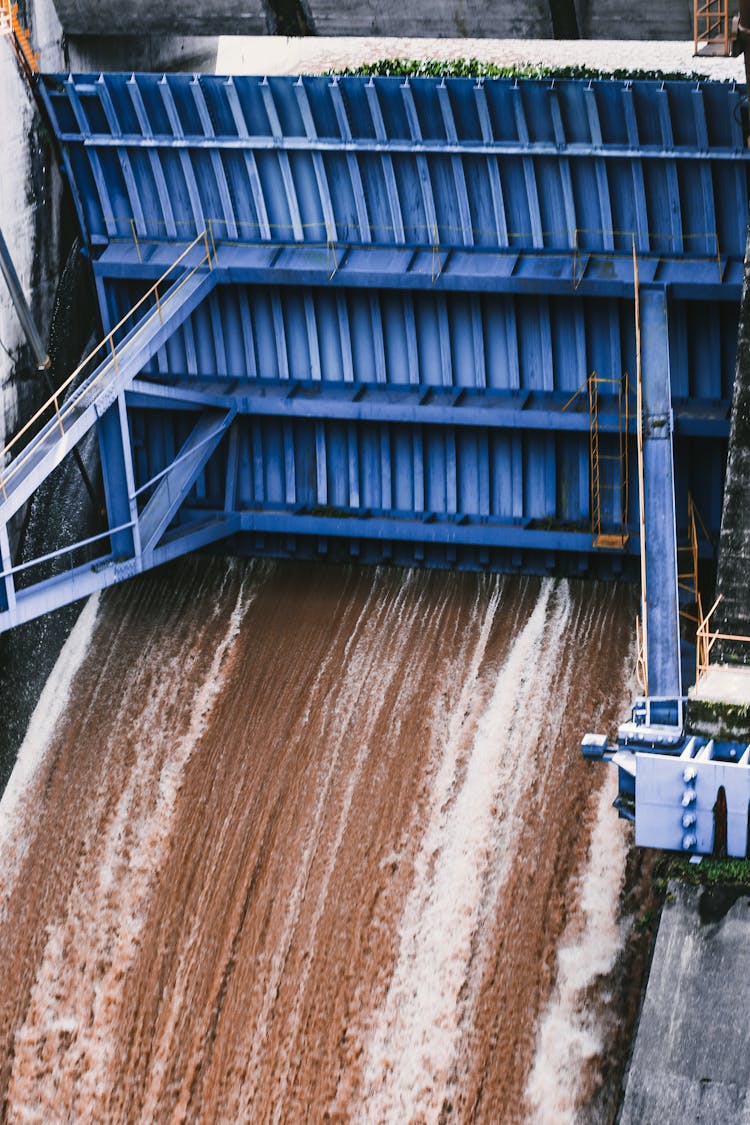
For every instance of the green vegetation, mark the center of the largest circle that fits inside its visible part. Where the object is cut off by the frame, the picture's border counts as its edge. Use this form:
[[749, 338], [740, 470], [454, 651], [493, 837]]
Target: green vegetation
[[707, 873], [729, 721], [473, 68]]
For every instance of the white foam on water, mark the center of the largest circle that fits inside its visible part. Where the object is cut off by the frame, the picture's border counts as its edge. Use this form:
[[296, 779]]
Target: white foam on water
[[82, 975], [15, 801], [570, 1033], [464, 857], [377, 668], [373, 658]]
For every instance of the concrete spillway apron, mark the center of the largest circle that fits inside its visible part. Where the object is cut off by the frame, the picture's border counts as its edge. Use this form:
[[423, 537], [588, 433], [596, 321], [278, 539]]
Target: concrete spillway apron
[[690, 1057]]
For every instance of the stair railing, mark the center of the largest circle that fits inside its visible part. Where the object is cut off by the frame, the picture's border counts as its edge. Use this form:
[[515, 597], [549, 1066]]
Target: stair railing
[[60, 410], [706, 638]]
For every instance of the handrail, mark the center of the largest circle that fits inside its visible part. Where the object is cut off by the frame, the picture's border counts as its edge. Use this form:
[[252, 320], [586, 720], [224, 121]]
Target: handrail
[[67, 550], [706, 639], [61, 413]]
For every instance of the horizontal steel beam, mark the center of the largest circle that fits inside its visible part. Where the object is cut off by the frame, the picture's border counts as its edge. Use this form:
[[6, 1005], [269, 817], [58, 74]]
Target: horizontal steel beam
[[423, 405], [425, 528], [404, 268], [397, 146]]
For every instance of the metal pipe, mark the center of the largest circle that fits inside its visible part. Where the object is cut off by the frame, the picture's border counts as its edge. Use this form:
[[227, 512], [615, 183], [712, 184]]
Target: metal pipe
[[24, 312], [641, 480]]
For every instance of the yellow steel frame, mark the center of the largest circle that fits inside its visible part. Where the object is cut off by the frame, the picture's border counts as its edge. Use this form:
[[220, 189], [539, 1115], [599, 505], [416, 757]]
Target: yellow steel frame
[[711, 27], [10, 24], [706, 638], [615, 536], [688, 579]]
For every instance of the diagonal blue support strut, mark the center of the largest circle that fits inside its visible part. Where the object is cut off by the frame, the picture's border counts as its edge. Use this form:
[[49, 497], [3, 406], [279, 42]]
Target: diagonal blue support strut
[[177, 481]]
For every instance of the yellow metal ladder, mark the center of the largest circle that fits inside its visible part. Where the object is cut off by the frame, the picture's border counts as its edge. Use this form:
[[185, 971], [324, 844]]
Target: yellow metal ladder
[[10, 25], [609, 470]]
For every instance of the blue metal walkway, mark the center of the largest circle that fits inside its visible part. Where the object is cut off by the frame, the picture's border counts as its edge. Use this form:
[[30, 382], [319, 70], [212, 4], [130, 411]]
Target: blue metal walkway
[[410, 280]]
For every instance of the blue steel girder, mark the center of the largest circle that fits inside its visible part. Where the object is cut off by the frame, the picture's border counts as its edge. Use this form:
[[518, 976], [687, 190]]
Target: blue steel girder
[[119, 481], [404, 268], [411, 280], [570, 165], [137, 544], [495, 337], [175, 482], [87, 402], [81, 581], [414, 405]]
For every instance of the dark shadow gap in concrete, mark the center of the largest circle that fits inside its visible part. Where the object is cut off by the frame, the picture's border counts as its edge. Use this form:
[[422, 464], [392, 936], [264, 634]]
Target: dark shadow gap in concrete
[[564, 19], [288, 17]]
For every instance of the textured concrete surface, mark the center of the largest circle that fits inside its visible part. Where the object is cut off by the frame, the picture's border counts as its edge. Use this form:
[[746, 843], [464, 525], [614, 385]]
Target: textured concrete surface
[[613, 19], [280, 55], [690, 1061], [144, 52], [733, 580], [600, 19], [724, 683], [30, 212], [311, 17]]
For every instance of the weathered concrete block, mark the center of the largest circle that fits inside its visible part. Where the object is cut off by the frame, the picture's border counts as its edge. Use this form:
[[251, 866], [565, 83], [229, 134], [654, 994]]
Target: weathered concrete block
[[503, 19], [733, 579], [693, 1042]]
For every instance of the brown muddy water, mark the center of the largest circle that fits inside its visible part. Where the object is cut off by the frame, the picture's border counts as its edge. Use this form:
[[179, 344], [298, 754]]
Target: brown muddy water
[[289, 843]]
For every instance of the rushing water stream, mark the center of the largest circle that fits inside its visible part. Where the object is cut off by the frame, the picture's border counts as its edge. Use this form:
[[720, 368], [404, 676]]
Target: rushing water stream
[[288, 843]]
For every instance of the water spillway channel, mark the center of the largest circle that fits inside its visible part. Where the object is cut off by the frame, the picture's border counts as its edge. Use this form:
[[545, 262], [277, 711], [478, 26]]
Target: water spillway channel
[[293, 843]]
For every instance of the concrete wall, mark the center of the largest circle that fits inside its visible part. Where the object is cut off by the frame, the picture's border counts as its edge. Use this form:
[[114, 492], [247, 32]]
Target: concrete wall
[[618, 19], [690, 1057], [733, 580], [35, 221], [30, 214], [598, 19], [145, 52]]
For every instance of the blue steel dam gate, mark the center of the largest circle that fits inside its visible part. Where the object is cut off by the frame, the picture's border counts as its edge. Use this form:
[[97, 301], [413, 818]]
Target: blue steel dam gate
[[392, 320]]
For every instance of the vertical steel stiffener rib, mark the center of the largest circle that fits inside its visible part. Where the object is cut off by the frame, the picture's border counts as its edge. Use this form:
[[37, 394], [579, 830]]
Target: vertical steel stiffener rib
[[477, 236]]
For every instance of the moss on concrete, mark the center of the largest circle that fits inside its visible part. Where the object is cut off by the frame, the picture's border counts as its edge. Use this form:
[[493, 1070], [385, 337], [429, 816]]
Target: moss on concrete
[[725, 721], [707, 873]]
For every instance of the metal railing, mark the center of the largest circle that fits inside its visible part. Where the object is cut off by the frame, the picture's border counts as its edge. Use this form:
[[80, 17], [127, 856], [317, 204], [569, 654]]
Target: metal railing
[[706, 638], [60, 409], [711, 28]]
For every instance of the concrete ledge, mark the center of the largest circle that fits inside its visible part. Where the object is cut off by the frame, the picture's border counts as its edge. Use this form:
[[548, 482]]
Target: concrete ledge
[[719, 705], [690, 1060]]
